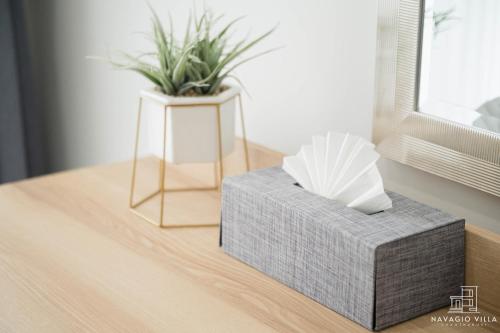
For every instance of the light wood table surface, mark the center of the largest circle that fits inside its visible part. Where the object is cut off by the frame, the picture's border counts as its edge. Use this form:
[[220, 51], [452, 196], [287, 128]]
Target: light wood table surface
[[74, 258]]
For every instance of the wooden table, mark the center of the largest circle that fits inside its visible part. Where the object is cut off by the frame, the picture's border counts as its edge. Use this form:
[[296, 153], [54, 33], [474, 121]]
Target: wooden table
[[74, 258]]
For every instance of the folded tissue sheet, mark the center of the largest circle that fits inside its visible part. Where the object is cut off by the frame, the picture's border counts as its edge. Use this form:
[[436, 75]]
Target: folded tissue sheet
[[341, 166]]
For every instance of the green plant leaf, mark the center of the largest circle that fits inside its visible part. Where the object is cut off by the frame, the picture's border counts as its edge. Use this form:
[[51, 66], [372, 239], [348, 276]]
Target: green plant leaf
[[199, 62]]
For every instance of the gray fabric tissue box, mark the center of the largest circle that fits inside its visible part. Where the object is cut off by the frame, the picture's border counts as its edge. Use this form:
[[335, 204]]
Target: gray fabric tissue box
[[377, 270]]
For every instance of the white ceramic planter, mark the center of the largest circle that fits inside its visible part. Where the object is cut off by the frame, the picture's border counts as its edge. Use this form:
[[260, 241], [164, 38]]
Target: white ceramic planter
[[191, 125]]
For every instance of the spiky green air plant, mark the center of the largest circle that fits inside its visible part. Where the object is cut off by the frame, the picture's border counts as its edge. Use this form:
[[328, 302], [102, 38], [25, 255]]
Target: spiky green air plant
[[199, 64], [443, 18]]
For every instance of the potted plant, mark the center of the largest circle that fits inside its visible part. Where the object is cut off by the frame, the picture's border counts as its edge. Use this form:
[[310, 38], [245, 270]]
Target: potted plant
[[192, 72]]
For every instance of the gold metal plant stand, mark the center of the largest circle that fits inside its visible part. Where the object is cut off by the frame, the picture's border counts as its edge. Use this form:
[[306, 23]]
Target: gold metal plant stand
[[161, 190]]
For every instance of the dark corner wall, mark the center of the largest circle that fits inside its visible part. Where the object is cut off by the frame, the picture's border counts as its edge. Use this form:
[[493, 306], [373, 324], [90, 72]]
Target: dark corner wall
[[22, 134]]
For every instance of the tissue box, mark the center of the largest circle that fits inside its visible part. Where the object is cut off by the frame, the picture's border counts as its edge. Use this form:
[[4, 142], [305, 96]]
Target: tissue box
[[377, 270]]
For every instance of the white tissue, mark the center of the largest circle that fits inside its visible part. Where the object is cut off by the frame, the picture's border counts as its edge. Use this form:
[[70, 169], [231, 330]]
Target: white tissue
[[342, 167]]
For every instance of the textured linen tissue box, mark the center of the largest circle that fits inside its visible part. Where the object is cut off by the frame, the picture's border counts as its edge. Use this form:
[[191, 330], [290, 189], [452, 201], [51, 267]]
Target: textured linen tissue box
[[377, 270]]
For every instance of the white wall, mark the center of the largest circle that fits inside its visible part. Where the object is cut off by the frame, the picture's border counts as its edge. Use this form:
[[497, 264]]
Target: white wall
[[321, 80]]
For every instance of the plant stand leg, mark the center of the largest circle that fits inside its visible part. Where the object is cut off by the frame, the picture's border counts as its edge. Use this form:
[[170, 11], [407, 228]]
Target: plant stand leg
[[136, 147], [243, 132], [216, 177], [163, 165], [218, 169], [219, 145]]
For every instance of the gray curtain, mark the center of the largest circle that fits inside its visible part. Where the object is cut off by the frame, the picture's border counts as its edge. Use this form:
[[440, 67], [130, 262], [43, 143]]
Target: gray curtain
[[22, 145]]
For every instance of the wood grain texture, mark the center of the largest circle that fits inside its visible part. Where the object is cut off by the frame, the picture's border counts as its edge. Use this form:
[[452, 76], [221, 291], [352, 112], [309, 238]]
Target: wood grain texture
[[482, 266], [74, 258]]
